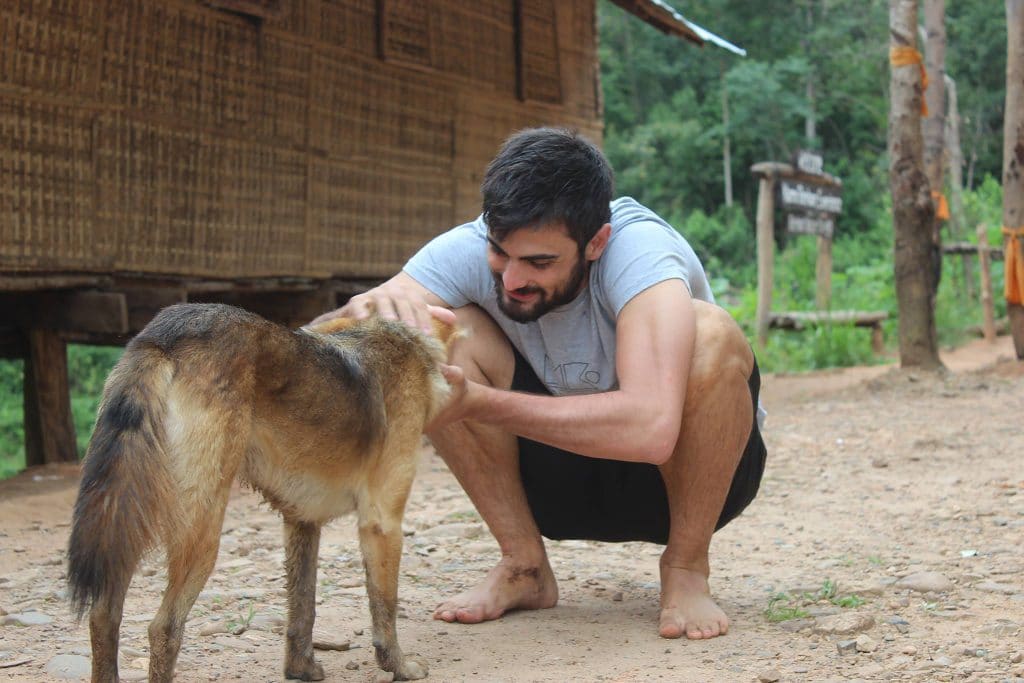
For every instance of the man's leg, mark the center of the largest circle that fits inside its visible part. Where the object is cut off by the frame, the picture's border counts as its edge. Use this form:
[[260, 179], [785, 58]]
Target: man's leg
[[485, 460], [717, 419]]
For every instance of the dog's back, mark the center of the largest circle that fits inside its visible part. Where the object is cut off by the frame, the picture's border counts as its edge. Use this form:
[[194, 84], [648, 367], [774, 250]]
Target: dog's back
[[208, 393]]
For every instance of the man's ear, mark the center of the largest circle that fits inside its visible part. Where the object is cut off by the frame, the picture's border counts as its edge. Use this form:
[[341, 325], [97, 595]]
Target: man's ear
[[595, 247]]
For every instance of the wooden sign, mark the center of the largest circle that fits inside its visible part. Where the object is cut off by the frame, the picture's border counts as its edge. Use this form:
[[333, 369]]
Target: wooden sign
[[810, 162], [802, 196], [802, 224]]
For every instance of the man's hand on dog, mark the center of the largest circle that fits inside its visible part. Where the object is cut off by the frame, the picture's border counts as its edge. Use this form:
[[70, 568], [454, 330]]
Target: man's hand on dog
[[392, 301]]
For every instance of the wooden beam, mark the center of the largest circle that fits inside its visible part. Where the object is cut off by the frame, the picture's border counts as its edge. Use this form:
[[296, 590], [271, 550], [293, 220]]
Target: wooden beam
[[145, 302], [823, 274], [49, 430], [292, 309], [13, 344], [85, 310]]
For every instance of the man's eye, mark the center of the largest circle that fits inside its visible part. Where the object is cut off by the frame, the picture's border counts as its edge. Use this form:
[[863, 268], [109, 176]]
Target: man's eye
[[542, 265]]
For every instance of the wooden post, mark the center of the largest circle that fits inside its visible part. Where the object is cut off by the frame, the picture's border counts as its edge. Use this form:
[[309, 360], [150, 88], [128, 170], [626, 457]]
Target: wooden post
[[765, 254], [987, 306], [49, 430], [823, 271]]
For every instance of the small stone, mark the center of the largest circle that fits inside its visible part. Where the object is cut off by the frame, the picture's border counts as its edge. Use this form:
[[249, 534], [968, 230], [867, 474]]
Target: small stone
[[267, 622], [909, 650], [879, 462], [213, 628], [844, 624], [27, 619], [994, 587], [769, 676], [617, 596], [352, 665], [331, 645], [846, 647], [865, 643], [1001, 627], [942, 660], [74, 667], [383, 677], [926, 582]]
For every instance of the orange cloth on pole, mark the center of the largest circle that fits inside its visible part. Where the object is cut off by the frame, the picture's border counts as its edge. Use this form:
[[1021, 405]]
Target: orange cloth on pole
[[904, 55], [941, 206], [1014, 266]]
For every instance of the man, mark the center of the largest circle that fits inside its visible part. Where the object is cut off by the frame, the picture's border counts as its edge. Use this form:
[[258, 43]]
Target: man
[[600, 393]]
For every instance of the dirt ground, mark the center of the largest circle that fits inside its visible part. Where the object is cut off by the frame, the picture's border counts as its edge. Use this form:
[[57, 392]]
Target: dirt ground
[[902, 489]]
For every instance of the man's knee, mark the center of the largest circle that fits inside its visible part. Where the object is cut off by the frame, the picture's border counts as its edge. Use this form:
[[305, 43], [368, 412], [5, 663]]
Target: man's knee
[[484, 353], [721, 348]]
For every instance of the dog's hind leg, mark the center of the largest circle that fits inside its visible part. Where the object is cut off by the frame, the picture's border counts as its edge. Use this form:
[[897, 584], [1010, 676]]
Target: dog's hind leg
[[104, 625], [189, 564], [302, 550], [380, 539]]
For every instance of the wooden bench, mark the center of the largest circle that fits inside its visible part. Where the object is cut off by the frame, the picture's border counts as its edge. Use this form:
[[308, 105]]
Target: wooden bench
[[799, 320]]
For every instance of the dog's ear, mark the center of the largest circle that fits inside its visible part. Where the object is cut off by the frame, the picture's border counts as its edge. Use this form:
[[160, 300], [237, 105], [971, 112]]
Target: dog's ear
[[447, 332]]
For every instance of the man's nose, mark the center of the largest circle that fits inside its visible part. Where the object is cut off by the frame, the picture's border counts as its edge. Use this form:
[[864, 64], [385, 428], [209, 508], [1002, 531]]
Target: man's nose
[[513, 278]]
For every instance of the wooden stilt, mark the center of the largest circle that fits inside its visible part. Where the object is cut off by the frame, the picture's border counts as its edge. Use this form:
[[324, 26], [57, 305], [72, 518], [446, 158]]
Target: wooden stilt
[[49, 430], [987, 306]]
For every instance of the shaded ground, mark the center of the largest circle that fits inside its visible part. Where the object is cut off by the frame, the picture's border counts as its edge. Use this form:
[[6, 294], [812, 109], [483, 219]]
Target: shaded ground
[[878, 482]]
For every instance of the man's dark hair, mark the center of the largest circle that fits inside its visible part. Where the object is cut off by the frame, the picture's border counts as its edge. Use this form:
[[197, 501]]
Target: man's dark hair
[[546, 175]]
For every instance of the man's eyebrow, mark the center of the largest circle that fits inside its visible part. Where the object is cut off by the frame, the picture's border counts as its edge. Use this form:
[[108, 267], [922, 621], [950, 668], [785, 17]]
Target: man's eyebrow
[[531, 258]]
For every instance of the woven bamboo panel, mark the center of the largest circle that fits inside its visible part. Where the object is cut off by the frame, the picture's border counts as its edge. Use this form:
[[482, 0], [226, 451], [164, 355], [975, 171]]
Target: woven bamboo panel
[[50, 45], [368, 219], [577, 42], [350, 24], [476, 41], [541, 78], [196, 66], [376, 112], [284, 91], [296, 17], [46, 198], [405, 31], [185, 202]]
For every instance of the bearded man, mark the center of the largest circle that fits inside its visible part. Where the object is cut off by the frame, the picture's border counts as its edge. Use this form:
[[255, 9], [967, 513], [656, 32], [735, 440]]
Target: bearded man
[[600, 394]]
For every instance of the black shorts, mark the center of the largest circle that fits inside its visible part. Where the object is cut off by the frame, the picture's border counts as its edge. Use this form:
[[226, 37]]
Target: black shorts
[[573, 496]]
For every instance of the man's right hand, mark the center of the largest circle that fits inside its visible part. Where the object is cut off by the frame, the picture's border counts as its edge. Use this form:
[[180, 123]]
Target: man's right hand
[[400, 298]]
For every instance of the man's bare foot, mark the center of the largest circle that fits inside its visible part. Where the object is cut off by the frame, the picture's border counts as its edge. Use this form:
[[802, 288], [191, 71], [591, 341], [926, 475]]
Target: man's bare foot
[[507, 587], [687, 608]]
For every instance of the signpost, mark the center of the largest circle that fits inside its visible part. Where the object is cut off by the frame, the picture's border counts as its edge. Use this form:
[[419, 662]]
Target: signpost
[[811, 199]]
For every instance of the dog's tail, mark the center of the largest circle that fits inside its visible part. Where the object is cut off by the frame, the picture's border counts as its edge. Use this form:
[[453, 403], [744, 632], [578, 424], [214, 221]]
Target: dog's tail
[[127, 500]]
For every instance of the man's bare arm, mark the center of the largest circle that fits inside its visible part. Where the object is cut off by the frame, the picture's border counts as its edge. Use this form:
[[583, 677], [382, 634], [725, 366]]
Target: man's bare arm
[[400, 298], [639, 421]]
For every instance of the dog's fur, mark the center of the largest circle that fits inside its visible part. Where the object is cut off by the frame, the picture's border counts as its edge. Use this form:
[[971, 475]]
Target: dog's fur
[[322, 421]]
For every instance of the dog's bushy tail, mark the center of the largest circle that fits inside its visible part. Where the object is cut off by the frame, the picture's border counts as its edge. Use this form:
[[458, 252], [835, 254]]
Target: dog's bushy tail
[[126, 500]]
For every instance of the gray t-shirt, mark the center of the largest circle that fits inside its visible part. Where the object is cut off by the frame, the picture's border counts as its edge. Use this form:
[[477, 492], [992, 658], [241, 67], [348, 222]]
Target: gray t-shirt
[[571, 348]]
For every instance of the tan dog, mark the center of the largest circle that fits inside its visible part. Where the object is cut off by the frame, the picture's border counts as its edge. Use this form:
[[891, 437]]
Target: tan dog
[[323, 422]]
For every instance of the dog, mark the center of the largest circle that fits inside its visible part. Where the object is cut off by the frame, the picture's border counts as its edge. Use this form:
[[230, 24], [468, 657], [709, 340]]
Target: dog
[[322, 421]]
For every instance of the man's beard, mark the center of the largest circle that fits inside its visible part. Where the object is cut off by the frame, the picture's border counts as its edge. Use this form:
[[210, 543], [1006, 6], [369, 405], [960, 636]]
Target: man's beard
[[523, 312]]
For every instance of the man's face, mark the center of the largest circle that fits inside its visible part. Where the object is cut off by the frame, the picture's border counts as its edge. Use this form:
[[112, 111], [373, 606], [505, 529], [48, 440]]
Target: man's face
[[536, 270]]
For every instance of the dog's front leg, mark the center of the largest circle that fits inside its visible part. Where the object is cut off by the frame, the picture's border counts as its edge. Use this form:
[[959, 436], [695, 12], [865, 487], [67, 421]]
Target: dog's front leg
[[381, 542], [302, 550]]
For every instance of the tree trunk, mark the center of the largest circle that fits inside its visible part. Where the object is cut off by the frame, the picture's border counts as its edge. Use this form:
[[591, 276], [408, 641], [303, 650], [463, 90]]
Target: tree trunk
[[955, 159], [726, 147], [1013, 157], [934, 125], [913, 210]]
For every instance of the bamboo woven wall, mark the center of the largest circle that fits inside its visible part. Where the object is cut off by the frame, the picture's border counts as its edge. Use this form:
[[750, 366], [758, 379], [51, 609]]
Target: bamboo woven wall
[[169, 138]]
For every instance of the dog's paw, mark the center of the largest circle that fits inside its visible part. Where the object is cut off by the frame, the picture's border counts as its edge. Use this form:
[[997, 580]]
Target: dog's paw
[[308, 671], [412, 669]]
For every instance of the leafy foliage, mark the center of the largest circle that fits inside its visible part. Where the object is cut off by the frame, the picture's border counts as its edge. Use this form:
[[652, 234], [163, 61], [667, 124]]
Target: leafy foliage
[[812, 66]]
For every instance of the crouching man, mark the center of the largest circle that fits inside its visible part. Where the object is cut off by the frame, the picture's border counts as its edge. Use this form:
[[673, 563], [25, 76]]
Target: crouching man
[[600, 394]]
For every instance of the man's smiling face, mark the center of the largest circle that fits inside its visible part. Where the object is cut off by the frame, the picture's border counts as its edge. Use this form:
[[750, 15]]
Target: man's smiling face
[[535, 271]]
